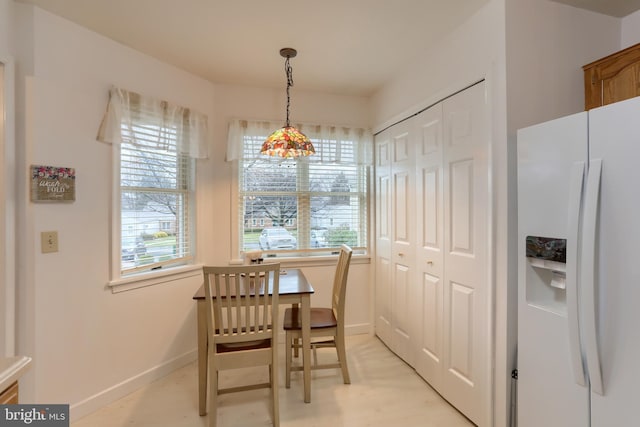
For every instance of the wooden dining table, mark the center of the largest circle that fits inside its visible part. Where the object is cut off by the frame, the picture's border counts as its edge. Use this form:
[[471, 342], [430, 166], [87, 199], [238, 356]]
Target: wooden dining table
[[294, 290]]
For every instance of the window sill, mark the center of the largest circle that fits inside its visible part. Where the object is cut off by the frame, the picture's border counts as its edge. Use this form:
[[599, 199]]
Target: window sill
[[141, 280], [313, 261]]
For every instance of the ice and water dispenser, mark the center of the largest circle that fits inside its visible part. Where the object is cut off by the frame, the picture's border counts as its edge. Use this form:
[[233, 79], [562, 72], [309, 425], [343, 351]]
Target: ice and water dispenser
[[546, 273]]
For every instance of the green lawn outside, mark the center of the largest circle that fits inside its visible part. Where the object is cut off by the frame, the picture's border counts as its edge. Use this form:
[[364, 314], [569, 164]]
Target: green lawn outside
[[162, 241], [251, 236]]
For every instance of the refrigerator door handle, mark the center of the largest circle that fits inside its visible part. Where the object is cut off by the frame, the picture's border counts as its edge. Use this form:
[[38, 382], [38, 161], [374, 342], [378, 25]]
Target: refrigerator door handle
[[588, 267], [575, 197]]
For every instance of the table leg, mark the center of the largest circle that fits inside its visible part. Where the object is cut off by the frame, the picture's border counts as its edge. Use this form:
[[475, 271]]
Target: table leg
[[202, 356], [306, 345], [296, 349]]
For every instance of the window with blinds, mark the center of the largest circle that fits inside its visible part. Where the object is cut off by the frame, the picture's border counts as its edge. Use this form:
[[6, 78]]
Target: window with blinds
[[156, 197], [304, 205]]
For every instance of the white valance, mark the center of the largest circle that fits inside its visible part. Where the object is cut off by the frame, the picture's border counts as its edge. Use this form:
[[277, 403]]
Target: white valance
[[165, 124], [333, 144]]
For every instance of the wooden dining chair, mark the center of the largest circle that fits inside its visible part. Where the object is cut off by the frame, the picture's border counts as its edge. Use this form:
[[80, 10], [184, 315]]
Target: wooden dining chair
[[242, 325], [327, 325]]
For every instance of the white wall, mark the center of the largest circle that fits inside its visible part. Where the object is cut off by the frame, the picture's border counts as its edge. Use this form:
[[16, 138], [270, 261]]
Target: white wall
[[270, 104], [460, 58], [85, 340], [6, 290], [630, 30], [91, 346], [547, 45]]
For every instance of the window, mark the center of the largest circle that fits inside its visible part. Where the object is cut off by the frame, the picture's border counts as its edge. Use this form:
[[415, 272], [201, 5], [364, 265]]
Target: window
[[155, 193], [305, 205], [156, 190]]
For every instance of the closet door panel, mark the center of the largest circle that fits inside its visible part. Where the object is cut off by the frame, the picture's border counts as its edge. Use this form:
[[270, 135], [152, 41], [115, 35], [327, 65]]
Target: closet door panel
[[401, 321], [403, 242], [467, 332], [461, 209], [402, 213], [429, 248], [431, 206], [383, 231], [461, 338]]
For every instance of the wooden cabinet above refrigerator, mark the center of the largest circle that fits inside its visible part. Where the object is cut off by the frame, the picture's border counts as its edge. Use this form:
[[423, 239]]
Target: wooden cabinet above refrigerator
[[613, 78]]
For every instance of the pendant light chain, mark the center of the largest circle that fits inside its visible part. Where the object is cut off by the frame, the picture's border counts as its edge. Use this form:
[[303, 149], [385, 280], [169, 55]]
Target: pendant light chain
[[289, 72], [287, 142]]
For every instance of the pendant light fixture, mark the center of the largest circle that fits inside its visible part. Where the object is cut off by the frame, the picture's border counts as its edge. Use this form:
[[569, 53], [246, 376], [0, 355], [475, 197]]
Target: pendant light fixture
[[288, 141]]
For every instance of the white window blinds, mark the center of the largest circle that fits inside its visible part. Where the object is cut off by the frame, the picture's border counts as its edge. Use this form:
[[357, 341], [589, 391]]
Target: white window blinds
[[155, 194], [304, 205]]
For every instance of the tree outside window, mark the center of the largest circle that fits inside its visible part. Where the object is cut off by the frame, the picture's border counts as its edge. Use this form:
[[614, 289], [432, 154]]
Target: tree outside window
[[320, 204]]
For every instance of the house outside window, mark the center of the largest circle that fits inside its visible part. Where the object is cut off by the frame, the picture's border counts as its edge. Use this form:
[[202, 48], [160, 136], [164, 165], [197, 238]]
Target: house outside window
[[306, 205], [156, 190]]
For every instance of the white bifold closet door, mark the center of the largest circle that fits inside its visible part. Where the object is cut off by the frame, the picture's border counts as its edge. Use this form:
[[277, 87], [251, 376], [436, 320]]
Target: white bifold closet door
[[395, 240], [437, 262]]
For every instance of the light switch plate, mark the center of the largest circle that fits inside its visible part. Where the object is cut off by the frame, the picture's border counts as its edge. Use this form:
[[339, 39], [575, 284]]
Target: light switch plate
[[49, 241]]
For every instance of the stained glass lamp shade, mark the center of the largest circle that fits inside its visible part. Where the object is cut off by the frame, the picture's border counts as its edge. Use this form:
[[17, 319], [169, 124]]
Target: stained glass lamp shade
[[288, 141]]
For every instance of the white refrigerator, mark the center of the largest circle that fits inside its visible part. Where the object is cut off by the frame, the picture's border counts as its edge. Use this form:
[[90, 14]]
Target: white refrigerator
[[579, 270]]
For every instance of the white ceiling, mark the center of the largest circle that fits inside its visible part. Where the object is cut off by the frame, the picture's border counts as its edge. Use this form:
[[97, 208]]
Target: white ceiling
[[344, 46], [618, 8]]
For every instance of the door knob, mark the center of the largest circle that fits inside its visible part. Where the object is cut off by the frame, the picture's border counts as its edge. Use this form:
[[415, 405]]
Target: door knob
[[429, 262]]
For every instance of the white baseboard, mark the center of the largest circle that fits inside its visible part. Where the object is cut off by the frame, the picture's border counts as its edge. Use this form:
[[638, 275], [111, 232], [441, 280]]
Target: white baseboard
[[110, 395], [361, 328]]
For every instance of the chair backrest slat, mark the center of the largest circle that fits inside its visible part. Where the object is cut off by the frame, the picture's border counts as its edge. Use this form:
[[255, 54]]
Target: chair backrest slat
[[340, 282], [254, 316], [247, 306], [265, 313], [236, 304]]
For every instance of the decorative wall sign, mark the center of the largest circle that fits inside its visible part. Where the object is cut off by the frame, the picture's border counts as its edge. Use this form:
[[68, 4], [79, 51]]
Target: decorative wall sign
[[53, 184]]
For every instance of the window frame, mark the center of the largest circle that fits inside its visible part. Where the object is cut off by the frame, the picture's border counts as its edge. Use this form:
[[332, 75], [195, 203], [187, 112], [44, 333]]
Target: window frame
[[170, 270], [302, 257]]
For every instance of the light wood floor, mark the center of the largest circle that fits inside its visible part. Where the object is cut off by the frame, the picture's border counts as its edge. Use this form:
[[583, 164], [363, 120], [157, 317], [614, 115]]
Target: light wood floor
[[384, 391]]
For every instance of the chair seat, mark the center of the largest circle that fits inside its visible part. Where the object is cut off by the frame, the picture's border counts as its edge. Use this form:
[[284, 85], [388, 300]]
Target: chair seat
[[320, 318], [243, 346]]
